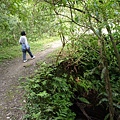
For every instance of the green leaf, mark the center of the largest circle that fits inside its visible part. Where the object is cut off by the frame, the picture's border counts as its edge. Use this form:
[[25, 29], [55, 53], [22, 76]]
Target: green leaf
[[84, 100], [103, 73], [106, 117], [42, 94], [36, 85], [103, 100], [116, 105], [36, 115]]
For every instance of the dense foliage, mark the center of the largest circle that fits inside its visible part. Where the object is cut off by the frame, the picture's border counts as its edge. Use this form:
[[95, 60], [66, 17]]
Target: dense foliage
[[29, 15], [72, 86], [48, 96]]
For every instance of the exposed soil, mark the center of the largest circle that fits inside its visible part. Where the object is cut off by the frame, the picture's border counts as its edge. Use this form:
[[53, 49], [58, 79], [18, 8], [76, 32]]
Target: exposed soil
[[11, 92]]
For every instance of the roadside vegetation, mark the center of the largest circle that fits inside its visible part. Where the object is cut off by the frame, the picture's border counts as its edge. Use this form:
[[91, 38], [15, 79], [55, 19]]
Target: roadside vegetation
[[73, 85]]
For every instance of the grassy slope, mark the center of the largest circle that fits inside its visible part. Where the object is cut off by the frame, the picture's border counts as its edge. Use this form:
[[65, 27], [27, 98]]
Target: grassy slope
[[11, 52]]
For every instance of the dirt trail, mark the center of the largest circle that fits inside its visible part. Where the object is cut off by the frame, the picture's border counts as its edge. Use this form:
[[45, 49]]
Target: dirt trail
[[11, 94]]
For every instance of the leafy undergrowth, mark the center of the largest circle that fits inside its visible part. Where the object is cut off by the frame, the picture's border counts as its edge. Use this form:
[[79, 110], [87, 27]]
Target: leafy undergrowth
[[67, 91], [48, 96], [73, 88]]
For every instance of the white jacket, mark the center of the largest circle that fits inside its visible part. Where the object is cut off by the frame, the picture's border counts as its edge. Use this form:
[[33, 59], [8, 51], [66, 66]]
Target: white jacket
[[23, 40]]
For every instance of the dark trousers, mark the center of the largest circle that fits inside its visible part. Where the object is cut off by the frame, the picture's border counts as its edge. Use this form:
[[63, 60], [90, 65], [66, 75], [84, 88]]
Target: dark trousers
[[24, 53]]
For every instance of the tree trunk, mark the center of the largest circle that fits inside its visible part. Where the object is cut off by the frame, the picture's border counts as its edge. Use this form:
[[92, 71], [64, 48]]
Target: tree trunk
[[106, 74], [114, 46], [112, 40], [107, 81]]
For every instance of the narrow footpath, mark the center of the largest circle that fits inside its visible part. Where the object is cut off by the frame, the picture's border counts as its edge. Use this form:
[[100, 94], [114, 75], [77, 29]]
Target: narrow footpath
[[11, 93]]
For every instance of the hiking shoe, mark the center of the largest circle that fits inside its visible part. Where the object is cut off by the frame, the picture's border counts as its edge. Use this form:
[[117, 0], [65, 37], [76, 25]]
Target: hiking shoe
[[24, 61], [33, 57]]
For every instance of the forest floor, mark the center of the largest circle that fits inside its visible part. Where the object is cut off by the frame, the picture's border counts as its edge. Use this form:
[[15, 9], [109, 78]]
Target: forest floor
[[11, 93]]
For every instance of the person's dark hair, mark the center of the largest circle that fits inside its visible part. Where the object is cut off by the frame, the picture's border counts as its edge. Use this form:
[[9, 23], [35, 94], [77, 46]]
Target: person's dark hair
[[23, 33]]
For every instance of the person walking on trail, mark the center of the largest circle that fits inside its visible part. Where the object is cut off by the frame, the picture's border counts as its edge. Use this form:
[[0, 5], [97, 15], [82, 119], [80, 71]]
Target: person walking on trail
[[25, 46]]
